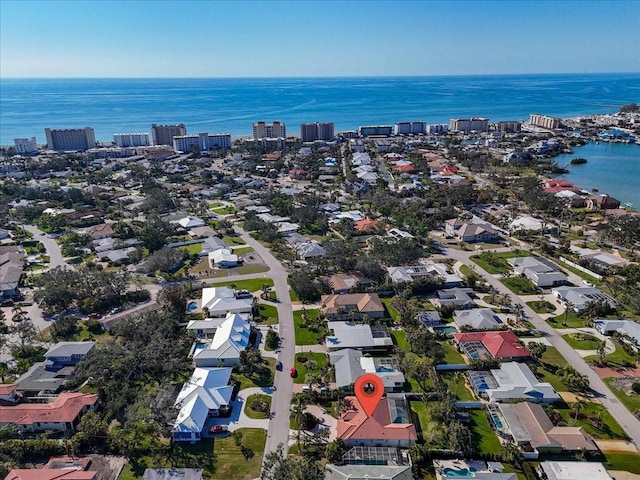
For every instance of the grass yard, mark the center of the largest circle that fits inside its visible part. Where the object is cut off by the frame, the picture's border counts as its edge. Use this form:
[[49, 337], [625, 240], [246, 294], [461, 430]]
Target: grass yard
[[252, 284], [257, 414], [220, 458], [268, 315], [542, 306], [581, 274], [451, 354], [573, 321], [224, 210], [391, 312], [631, 402], [625, 461], [303, 368], [483, 438], [495, 263], [233, 241], [251, 268], [619, 358], [582, 341], [306, 335], [242, 249], [466, 271], [216, 205], [609, 428], [293, 296], [400, 339], [520, 285], [549, 363], [261, 378], [461, 391], [194, 248]]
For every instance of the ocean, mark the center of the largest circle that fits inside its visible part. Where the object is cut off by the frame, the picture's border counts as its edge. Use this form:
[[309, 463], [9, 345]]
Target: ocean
[[231, 105]]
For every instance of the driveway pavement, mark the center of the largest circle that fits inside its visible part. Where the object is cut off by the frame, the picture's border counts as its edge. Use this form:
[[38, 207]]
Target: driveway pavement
[[629, 423], [238, 418], [53, 249]]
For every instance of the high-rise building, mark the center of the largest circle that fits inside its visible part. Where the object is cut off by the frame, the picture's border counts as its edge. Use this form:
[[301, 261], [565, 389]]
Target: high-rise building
[[310, 132], [269, 130], [163, 134], [26, 146], [376, 130], [544, 121], [131, 139], [437, 128], [69, 139], [410, 128], [509, 126], [469, 124], [203, 141]]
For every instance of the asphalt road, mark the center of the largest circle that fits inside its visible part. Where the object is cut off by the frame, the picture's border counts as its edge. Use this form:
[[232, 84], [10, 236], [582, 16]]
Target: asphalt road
[[627, 421], [53, 249], [280, 399]]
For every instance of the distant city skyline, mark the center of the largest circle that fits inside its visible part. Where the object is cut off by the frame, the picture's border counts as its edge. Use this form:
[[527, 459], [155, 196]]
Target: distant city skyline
[[63, 39]]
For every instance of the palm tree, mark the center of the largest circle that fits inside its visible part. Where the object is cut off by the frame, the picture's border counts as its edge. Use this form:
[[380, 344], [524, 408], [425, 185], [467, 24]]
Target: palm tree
[[602, 353], [457, 376], [576, 407], [18, 314], [567, 306]]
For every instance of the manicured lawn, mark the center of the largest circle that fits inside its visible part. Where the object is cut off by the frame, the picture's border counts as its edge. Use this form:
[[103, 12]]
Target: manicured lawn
[[269, 313], [255, 268], [224, 210], [241, 250], [618, 358], [582, 341], [400, 340], [220, 457], [520, 285], [546, 372], [483, 438], [542, 306], [233, 241], [627, 462], [466, 271], [631, 402], [194, 248], [261, 378], [306, 335], [303, 368], [609, 429], [573, 321], [250, 412], [216, 205], [391, 312], [580, 273], [451, 354], [495, 263], [460, 391], [293, 296], [252, 284]]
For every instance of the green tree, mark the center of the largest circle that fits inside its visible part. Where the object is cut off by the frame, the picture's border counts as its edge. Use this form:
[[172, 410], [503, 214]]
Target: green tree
[[537, 350], [335, 450]]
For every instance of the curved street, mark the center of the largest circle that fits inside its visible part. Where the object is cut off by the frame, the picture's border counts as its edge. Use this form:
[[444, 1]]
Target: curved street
[[626, 419], [53, 249]]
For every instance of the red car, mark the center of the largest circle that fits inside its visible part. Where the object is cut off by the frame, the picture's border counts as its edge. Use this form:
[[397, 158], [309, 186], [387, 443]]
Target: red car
[[218, 429], [293, 372]]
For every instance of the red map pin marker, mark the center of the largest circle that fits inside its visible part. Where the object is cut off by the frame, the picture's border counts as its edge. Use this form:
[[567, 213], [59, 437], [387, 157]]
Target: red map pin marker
[[369, 389]]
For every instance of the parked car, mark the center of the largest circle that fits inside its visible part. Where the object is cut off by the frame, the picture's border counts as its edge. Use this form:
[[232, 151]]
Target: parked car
[[279, 365], [218, 428], [293, 372]]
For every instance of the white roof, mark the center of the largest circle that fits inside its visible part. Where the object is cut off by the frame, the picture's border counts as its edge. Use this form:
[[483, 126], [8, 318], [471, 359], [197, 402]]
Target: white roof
[[221, 300], [477, 318], [190, 221], [526, 222], [354, 335], [231, 337], [223, 255], [574, 470], [517, 381]]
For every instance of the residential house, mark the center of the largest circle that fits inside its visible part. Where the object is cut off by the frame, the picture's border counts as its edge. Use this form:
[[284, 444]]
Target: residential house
[[102, 230], [428, 271], [202, 232], [207, 394], [541, 273], [366, 225], [65, 354], [350, 364], [342, 283], [454, 297], [501, 345], [389, 425], [11, 267], [527, 222], [62, 473], [556, 470], [352, 306], [60, 414], [363, 463], [211, 244], [512, 382], [219, 301], [430, 318], [527, 425], [628, 330], [223, 258], [476, 319], [470, 231], [478, 469], [602, 202], [358, 336], [307, 250], [579, 298], [190, 222], [231, 338]]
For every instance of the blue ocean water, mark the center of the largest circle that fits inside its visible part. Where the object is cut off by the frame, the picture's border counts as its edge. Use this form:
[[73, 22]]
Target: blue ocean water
[[612, 168], [27, 106]]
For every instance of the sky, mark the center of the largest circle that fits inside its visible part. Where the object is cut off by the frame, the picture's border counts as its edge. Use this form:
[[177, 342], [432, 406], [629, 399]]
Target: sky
[[165, 38]]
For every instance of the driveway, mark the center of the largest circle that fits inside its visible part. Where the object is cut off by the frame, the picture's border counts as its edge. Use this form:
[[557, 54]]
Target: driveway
[[238, 418], [629, 423], [53, 249]]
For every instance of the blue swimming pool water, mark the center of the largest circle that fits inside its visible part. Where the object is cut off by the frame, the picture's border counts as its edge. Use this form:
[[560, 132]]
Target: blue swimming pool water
[[496, 421], [192, 306], [458, 473]]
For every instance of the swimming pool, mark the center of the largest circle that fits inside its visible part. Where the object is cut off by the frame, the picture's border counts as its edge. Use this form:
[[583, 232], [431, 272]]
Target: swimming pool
[[496, 421], [191, 306], [458, 473]]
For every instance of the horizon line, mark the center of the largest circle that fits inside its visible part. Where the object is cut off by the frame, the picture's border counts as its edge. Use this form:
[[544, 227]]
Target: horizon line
[[312, 76]]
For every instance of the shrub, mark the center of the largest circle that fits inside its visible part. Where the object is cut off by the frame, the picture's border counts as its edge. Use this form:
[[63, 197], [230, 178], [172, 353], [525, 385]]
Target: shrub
[[301, 359], [94, 326], [308, 422], [260, 405], [636, 387], [272, 341]]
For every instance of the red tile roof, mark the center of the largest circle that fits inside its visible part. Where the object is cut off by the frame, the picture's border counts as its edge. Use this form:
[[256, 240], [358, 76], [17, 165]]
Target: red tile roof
[[499, 344], [49, 474], [366, 224], [354, 423], [63, 409], [7, 389]]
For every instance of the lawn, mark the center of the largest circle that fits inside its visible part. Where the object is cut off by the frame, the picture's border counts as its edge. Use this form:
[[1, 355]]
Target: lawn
[[483, 438], [224, 210], [216, 205], [582, 341], [233, 241], [252, 284], [293, 296], [495, 263], [193, 248], [550, 362], [520, 285], [400, 340], [391, 311], [306, 335], [631, 402], [251, 413], [451, 354], [618, 358], [251, 268], [541, 306], [627, 462], [261, 378], [461, 391], [268, 315], [220, 458], [466, 271], [241, 250], [609, 429], [581, 274], [303, 368], [573, 321]]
